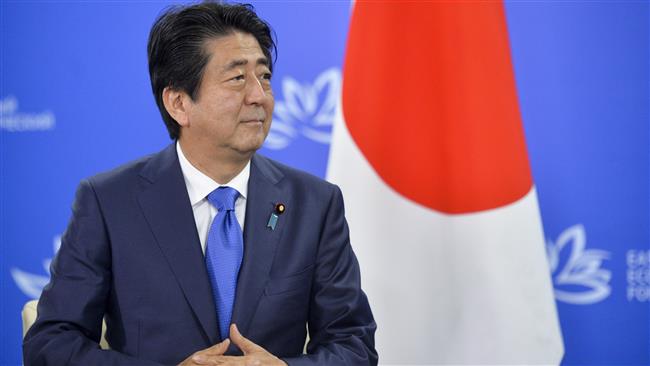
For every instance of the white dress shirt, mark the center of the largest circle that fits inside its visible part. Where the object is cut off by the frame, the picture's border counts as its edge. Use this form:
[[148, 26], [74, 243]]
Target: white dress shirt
[[200, 185]]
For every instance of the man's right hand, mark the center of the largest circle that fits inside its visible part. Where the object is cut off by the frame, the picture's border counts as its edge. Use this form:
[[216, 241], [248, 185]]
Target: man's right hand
[[205, 357]]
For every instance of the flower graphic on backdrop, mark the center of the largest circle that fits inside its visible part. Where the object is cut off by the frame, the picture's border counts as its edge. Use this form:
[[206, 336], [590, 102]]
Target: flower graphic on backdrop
[[581, 280], [308, 109], [32, 284]]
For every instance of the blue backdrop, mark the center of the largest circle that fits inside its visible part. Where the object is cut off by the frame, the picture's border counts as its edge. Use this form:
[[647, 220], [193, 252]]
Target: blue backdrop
[[75, 100]]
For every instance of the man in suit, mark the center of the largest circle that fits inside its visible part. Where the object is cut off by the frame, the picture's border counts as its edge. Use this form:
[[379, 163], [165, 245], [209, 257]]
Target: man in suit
[[206, 253]]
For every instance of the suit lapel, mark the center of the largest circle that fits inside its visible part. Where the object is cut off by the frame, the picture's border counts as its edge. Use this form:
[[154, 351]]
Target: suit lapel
[[260, 242], [167, 209]]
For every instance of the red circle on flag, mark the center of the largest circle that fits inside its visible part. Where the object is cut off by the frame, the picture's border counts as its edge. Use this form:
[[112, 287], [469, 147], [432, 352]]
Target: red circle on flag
[[429, 98]]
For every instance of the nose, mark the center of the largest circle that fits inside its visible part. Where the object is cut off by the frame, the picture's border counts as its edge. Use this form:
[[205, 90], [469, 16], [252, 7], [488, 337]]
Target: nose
[[255, 93]]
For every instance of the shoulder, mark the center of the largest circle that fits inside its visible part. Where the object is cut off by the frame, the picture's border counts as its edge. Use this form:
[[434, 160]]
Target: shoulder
[[143, 167], [119, 174], [294, 178], [136, 174]]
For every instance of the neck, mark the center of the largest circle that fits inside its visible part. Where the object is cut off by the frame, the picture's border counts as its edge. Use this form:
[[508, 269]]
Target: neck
[[222, 167]]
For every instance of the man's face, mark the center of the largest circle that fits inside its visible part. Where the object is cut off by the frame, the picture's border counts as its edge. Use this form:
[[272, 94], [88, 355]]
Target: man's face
[[234, 105]]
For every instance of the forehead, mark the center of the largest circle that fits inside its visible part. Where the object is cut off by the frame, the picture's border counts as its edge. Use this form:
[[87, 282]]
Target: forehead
[[233, 47]]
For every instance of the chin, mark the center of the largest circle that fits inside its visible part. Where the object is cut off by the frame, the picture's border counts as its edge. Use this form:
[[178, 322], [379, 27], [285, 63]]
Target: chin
[[250, 146]]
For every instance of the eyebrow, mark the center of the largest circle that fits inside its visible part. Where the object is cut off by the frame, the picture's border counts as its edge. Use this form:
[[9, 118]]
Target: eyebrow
[[241, 62]]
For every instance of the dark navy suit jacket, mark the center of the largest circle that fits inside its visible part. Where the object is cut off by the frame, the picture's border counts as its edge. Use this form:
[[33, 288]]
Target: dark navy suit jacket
[[131, 253]]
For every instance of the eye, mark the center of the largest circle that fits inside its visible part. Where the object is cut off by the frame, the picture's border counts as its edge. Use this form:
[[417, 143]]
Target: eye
[[266, 76], [238, 77]]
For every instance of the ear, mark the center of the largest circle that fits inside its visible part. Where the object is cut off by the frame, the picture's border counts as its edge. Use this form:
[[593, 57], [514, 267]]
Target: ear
[[177, 103]]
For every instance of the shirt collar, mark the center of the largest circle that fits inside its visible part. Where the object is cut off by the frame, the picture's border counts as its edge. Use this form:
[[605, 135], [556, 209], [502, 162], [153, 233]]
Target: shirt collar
[[200, 185]]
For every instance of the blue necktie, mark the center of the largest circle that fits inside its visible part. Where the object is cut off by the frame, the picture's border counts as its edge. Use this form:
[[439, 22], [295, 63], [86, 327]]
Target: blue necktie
[[223, 254]]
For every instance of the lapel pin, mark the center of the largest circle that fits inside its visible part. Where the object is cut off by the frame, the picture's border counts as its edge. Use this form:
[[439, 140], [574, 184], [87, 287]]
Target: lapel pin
[[273, 220]]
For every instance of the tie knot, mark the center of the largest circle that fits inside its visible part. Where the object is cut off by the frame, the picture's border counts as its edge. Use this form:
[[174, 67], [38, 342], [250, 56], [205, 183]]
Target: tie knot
[[223, 198]]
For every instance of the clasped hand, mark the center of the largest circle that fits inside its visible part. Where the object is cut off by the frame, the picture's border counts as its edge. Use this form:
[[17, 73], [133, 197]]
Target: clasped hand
[[253, 354]]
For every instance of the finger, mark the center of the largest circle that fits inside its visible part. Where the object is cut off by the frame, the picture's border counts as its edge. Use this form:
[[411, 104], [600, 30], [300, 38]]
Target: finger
[[205, 356], [219, 348], [202, 359], [228, 361], [242, 342]]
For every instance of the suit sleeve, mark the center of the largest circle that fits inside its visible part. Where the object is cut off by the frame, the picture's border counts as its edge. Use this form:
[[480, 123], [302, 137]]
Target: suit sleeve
[[71, 308], [341, 325]]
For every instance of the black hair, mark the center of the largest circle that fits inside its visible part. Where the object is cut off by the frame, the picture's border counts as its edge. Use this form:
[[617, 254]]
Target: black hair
[[176, 53]]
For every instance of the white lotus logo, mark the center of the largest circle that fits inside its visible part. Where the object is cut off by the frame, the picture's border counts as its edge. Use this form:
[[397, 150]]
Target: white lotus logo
[[307, 109], [32, 284], [581, 280]]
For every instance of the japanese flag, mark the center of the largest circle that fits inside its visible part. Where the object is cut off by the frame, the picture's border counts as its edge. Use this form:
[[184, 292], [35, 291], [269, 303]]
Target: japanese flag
[[429, 150]]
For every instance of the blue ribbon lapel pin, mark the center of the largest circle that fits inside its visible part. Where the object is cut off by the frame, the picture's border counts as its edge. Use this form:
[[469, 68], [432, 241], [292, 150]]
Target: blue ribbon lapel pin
[[273, 220]]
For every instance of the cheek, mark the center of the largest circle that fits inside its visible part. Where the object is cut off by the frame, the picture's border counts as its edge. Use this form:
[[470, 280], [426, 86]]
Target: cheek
[[225, 114], [227, 106], [269, 106], [269, 114]]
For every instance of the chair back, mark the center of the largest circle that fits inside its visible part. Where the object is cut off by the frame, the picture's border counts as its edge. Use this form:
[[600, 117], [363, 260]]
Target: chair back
[[30, 313]]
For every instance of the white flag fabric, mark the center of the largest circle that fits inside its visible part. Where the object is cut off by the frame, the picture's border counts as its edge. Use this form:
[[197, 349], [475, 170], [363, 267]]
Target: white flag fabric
[[429, 150]]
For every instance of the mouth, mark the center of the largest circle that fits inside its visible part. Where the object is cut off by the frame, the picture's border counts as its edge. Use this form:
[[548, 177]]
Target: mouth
[[253, 121]]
